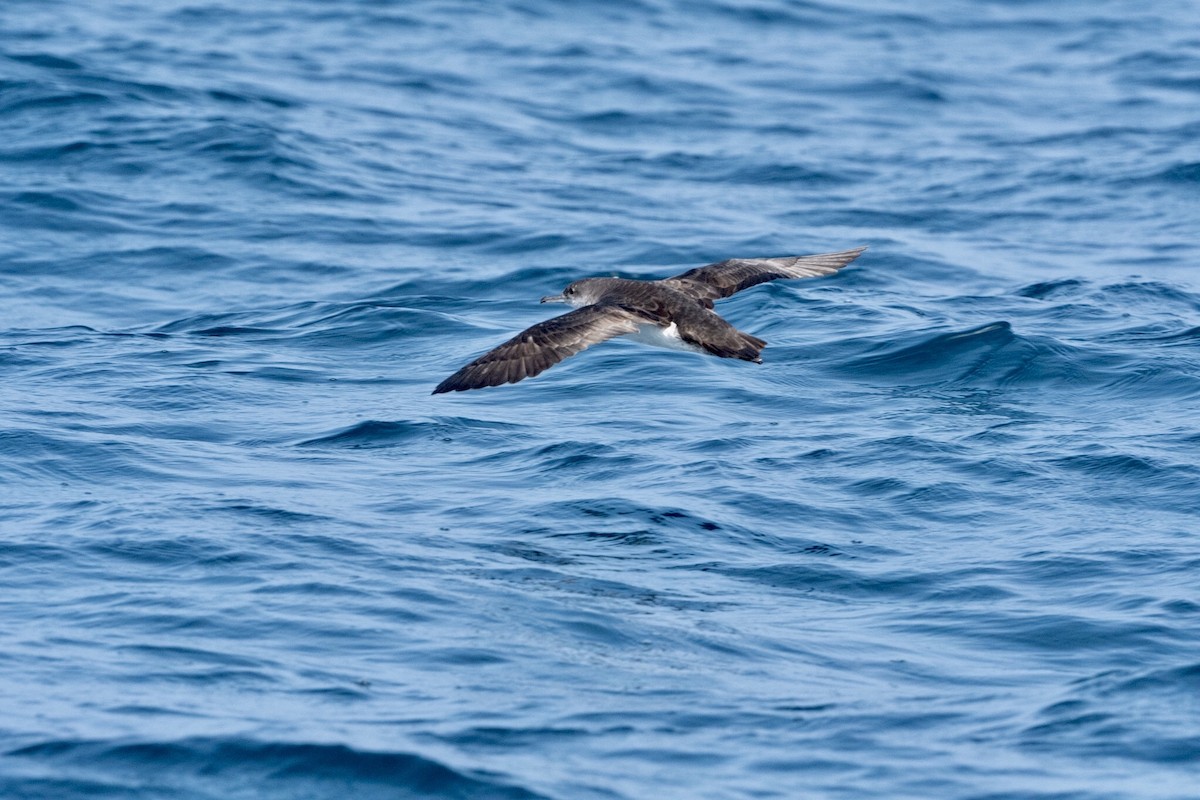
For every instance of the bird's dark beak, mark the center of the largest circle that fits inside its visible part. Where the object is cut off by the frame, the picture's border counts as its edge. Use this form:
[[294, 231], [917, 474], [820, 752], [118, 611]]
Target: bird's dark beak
[[554, 298]]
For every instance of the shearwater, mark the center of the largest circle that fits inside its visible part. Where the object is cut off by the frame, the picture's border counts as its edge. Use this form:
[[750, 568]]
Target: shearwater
[[674, 312]]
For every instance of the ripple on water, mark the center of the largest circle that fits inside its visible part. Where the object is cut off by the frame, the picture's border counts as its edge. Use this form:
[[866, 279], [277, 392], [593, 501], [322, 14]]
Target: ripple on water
[[281, 769]]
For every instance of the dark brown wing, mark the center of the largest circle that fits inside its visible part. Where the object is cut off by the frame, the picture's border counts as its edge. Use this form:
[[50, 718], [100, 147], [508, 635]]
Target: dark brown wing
[[715, 281], [538, 348]]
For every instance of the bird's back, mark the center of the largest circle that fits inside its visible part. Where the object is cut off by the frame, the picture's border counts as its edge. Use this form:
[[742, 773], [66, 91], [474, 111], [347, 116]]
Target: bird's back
[[689, 317]]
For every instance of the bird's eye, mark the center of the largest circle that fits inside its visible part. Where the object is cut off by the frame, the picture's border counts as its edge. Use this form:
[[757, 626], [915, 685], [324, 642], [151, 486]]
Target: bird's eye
[[569, 290]]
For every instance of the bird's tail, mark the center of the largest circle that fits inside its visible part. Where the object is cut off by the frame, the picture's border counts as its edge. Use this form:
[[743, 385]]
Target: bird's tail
[[735, 344], [752, 348]]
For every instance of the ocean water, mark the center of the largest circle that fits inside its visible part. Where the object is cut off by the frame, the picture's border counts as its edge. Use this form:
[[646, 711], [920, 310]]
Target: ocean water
[[943, 543]]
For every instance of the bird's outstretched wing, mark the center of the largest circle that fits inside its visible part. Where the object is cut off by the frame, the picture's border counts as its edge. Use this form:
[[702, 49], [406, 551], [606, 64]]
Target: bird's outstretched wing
[[725, 278], [538, 348]]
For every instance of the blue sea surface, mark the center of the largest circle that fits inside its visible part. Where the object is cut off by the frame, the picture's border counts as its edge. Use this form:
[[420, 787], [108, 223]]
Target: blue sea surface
[[943, 543]]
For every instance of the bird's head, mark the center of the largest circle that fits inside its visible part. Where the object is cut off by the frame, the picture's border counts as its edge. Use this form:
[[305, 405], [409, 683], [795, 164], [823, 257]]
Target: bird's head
[[581, 293]]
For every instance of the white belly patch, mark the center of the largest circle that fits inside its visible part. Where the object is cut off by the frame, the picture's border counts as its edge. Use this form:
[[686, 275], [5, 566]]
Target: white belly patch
[[667, 337]]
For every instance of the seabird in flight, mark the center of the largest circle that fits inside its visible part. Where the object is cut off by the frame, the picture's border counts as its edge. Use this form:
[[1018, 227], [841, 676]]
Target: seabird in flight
[[673, 312]]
